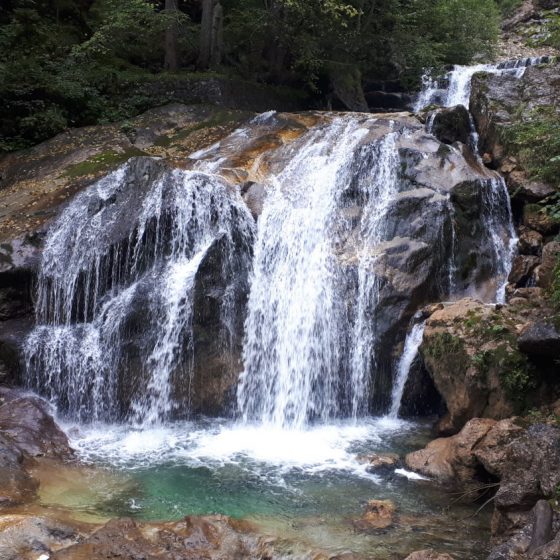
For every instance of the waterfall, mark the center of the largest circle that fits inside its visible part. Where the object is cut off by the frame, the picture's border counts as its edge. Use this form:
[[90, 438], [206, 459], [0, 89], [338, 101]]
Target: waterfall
[[116, 288], [311, 322], [496, 204], [455, 87], [410, 351]]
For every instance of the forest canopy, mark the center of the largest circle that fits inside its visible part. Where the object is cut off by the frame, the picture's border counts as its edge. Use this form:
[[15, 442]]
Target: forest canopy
[[75, 62]]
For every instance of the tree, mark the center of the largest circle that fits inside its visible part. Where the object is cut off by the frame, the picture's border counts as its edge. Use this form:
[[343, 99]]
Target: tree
[[211, 34], [171, 58]]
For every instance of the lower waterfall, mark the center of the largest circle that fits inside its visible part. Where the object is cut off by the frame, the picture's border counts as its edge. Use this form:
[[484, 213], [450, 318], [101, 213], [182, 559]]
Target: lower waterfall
[[307, 353], [118, 270]]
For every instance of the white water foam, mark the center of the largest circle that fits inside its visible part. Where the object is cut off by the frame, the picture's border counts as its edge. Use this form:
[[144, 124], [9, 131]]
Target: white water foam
[[261, 449]]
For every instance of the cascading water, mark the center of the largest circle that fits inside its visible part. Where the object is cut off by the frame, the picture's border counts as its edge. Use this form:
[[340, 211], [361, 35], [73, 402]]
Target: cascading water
[[455, 87], [122, 259], [307, 355], [410, 351], [497, 205]]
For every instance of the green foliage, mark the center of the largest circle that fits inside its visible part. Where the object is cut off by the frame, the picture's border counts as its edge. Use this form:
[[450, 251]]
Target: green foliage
[[514, 370], [507, 7], [516, 376], [536, 140], [65, 63]]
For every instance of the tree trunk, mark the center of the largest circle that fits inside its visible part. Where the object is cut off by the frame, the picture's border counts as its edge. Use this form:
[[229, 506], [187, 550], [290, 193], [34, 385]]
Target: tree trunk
[[171, 62], [211, 39]]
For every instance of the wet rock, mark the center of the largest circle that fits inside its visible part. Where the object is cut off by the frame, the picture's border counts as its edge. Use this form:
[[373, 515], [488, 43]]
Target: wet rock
[[29, 538], [545, 272], [16, 485], [254, 195], [522, 269], [536, 218], [27, 430], [212, 538], [530, 241], [452, 460], [381, 462], [540, 339], [378, 514], [452, 125], [27, 422], [428, 554]]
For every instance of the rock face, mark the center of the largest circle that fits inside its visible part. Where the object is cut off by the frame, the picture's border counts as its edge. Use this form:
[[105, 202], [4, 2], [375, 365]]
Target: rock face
[[440, 189], [496, 98], [454, 355]]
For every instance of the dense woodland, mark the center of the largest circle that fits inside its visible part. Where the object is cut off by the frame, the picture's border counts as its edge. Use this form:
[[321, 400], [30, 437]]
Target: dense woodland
[[72, 62]]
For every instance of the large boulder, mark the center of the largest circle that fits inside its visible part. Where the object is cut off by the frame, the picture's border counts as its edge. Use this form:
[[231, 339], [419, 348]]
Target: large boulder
[[532, 471], [27, 431], [463, 358], [550, 259], [451, 125], [27, 421], [471, 457], [541, 339]]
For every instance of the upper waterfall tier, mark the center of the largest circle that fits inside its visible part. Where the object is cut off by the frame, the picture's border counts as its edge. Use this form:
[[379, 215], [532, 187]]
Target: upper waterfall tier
[[455, 87], [144, 279]]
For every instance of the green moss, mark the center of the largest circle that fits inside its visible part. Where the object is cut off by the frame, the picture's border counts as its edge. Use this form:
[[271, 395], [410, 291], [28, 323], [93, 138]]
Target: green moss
[[220, 118], [101, 162], [443, 344]]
